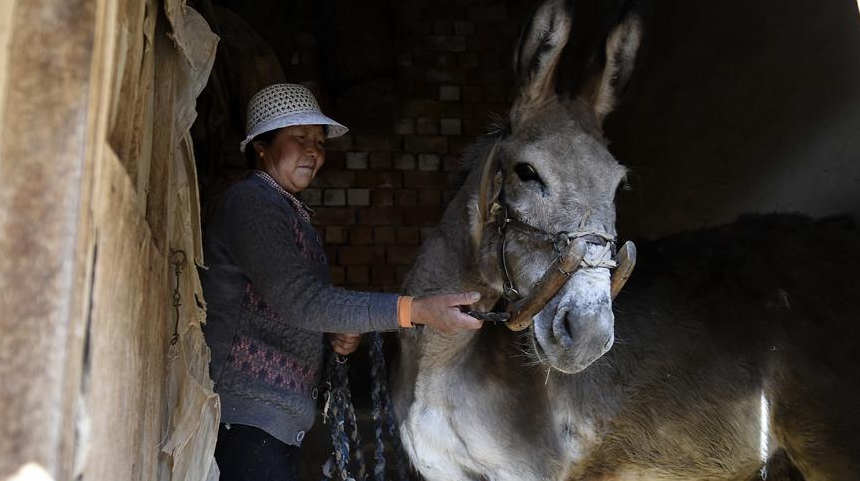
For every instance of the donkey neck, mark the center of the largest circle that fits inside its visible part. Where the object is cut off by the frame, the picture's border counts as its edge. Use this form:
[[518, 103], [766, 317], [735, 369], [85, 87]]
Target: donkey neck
[[447, 262]]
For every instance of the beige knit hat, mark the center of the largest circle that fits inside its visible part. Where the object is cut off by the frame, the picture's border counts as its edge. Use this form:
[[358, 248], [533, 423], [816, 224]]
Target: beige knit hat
[[283, 105]]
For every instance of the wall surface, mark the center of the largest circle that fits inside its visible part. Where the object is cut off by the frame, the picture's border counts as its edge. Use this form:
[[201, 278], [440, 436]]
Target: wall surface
[[741, 107]]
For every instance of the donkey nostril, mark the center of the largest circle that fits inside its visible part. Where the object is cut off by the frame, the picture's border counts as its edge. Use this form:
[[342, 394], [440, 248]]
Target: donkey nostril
[[564, 331]]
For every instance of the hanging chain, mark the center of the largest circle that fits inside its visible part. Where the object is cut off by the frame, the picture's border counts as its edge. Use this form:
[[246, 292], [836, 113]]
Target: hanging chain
[[177, 258]]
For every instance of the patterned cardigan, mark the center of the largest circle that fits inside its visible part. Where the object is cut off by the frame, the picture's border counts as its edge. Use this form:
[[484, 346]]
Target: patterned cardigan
[[269, 301]]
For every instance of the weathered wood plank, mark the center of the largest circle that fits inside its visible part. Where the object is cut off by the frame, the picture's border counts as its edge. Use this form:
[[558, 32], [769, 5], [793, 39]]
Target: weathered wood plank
[[42, 164]]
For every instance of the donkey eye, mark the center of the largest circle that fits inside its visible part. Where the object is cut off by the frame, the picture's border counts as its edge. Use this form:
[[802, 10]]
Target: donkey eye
[[526, 173]]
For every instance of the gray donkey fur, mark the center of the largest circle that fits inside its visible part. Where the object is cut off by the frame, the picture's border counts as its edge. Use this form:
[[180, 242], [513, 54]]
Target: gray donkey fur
[[729, 345]]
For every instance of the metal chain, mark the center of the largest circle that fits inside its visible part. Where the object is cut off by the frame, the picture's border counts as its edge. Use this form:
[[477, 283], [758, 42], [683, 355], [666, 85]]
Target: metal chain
[[177, 258]]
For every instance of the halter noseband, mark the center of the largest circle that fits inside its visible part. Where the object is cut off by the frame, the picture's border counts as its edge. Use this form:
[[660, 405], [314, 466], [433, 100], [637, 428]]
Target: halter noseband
[[570, 250]]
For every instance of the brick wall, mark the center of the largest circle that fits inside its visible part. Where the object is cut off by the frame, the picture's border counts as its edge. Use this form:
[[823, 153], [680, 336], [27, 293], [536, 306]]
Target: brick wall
[[383, 188], [434, 75]]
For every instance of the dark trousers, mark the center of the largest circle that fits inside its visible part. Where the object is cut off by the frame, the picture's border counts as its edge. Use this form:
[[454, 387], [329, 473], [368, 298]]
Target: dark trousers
[[246, 453]]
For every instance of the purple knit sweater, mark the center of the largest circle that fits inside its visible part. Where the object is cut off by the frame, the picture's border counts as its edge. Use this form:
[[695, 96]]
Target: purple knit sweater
[[269, 301]]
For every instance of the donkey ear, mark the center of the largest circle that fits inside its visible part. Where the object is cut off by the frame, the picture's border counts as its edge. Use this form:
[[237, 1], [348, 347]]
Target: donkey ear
[[538, 54], [622, 43]]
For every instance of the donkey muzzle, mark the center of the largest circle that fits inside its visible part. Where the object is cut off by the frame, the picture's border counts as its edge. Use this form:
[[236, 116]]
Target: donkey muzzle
[[523, 312]]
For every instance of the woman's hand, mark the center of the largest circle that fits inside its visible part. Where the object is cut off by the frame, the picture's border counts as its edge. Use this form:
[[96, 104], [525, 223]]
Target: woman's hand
[[344, 344], [442, 312]]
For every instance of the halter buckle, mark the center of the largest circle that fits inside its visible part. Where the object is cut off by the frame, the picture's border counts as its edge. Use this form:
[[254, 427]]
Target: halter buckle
[[511, 294], [560, 242]]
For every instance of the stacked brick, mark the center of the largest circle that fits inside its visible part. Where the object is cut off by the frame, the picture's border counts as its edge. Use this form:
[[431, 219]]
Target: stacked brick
[[383, 190], [415, 85]]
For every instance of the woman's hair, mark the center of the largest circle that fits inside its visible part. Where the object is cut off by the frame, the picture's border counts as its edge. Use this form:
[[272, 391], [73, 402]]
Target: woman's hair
[[251, 153]]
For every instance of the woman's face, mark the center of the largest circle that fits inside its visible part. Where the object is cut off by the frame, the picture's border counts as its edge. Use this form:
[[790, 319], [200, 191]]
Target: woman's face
[[294, 156]]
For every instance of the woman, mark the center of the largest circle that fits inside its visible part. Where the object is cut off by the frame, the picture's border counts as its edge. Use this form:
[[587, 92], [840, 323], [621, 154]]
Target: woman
[[269, 297]]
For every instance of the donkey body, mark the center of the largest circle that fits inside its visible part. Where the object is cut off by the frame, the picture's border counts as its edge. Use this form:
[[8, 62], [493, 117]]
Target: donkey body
[[725, 350]]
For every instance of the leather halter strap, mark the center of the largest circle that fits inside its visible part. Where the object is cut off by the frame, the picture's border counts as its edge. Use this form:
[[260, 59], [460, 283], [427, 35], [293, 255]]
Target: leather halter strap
[[570, 249]]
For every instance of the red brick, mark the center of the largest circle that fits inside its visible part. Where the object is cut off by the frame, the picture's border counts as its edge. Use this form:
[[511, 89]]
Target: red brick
[[380, 160], [401, 272], [475, 127], [404, 161], [422, 59], [334, 215], [486, 13], [408, 10], [426, 143], [330, 252], [468, 60], [429, 197], [445, 60], [381, 197], [421, 28], [446, 43], [377, 179], [427, 126], [383, 275], [422, 91], [485, 44], [359, 235], [491, 60], [426, 108], [335, 234], [406, 197], [404, 59], [423, 215], [380, 215], [459, 143], [464, 28], [360, 255], [357, 275], [489, 76], [449, 76], [414, 72], [458, 110], [338, 275], [471, 93], [408, 235], [443, 27], [452, 162], [489, 110], [402, 255], [383, 235], [334, 160], [425, 180], [404, 126], [498, 29]]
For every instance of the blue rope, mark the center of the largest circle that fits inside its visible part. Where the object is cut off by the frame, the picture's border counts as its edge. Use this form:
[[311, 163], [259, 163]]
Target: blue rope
[[345, 439], [344, 427], [383, 414]]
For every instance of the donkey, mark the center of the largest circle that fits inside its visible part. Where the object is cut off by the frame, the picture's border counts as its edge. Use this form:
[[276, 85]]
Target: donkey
[[704, 382]]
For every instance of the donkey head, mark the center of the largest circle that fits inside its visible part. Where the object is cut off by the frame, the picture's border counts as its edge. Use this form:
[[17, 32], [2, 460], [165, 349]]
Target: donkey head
[[550, 180]]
